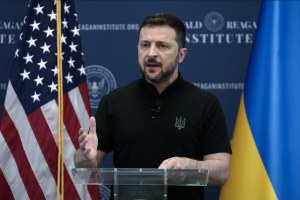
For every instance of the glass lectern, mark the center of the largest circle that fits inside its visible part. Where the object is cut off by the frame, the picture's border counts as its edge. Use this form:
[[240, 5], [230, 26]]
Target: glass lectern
[[140, 183]]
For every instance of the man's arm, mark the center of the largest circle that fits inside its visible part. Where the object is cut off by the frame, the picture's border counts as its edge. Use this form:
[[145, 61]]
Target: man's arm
[[218, 165], [87, 155]]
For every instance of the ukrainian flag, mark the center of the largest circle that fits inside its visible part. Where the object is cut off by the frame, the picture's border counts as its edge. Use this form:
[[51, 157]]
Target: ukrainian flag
[[265, 162]]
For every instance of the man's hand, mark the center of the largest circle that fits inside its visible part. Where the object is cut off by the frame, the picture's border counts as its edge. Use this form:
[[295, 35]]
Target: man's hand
[[86, 155], [178, 163], [218, 165]]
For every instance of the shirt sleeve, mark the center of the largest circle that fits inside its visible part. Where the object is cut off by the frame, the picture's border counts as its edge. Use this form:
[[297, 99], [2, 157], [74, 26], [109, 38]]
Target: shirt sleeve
[[215, 138]]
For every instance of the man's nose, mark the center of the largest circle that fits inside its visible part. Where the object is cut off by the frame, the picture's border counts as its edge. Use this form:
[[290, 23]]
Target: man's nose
[[152, 52]]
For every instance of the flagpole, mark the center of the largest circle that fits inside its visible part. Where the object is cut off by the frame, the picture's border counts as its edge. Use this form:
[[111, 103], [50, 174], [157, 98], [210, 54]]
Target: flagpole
[[60, 173]]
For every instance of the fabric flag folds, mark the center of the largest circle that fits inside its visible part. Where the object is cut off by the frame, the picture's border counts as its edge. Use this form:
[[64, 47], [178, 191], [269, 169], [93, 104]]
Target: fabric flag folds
[[266, 142], [28, 129]]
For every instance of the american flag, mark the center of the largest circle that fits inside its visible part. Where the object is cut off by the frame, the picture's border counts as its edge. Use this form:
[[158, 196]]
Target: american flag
[[28, 130]]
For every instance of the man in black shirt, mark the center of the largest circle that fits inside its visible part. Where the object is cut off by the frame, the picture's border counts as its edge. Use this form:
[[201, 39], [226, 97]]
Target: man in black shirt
[[161, 120]]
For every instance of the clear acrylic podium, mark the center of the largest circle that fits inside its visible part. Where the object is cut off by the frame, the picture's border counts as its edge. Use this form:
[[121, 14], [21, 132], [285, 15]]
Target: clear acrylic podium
[[140, 183]]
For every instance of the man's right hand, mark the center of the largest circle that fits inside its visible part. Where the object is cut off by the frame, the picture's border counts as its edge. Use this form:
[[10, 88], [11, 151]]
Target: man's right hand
[[86, 155]]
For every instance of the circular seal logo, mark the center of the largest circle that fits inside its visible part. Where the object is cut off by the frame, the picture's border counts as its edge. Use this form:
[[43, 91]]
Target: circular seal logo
[[214, 21], [100, 82]]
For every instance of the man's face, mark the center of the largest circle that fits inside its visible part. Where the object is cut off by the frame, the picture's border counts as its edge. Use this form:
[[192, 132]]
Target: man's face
[[158, 53]]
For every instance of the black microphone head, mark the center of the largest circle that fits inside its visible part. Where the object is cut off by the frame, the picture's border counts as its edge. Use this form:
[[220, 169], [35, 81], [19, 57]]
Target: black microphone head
[[158, 109], [158, 103]]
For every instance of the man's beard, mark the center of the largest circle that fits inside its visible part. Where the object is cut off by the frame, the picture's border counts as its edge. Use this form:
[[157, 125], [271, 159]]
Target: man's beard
[[163, 75]]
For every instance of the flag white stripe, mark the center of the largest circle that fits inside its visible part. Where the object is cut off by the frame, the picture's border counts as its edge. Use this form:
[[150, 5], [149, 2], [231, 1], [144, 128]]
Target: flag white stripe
[[10, 170], [32, 150], [81, 112], [49, 111]]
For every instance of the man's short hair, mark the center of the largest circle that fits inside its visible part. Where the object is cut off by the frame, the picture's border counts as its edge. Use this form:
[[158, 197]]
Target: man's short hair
[[161, 19]]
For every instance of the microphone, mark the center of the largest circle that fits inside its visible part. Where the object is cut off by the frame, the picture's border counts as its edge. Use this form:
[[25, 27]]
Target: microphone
[[155, 111]]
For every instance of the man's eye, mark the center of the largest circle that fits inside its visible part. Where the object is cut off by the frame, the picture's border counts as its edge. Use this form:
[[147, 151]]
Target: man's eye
[[163, 46], [144, 45]]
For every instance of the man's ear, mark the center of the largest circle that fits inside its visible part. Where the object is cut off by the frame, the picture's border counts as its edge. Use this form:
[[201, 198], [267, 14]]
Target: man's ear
[[182, 54]]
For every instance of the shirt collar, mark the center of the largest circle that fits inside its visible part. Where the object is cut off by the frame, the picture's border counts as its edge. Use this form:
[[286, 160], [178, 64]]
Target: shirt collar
[[150, 89]]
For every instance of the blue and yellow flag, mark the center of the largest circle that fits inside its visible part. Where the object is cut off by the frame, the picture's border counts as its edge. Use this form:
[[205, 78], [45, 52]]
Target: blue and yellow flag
[[265, 163]]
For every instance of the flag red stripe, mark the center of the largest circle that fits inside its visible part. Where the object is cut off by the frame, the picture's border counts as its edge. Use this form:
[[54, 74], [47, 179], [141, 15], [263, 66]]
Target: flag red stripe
[[71, 121], [50, 150], [12, 138], [94, 192], [5, 191]]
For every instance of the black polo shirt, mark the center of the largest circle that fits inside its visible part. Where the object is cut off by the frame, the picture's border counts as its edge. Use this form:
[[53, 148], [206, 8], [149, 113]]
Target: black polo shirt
[[143, 127]]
